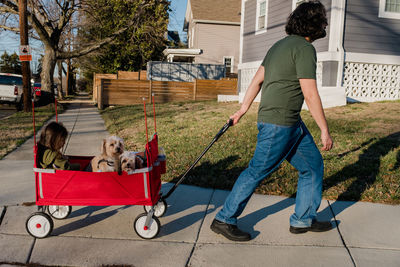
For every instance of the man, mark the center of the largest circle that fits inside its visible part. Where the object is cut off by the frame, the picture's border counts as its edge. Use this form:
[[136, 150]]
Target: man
[[286, 77]]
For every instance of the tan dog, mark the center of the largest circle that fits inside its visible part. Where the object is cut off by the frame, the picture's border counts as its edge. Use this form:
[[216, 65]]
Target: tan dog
[[108, 161], [130, 161]]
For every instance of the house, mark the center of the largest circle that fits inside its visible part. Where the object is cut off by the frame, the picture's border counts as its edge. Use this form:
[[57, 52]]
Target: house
[[213, 30], [359, 59]]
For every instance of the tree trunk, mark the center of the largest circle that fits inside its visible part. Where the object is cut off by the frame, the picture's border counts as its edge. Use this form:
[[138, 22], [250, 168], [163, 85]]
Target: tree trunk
[[60, 88], [48, 66]]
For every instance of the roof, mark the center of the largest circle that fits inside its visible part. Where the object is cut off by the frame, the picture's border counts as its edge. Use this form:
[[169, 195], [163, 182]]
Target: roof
[[182, 51], [217, 10]]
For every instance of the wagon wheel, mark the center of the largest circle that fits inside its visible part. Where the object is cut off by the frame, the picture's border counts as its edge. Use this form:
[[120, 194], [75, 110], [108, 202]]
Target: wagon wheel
[[59, 212], [146, 232], [39, 225], [159, 209]]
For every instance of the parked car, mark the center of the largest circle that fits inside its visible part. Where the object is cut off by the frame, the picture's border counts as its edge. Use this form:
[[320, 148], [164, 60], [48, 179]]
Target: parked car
[[11, 90]]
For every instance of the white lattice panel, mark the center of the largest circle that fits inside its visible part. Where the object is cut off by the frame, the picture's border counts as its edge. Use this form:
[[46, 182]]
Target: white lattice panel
[[319, 74], [246, 75], [371, 82]]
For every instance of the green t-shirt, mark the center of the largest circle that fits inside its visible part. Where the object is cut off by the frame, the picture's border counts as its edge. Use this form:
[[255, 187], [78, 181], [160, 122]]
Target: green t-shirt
[[286, 62]]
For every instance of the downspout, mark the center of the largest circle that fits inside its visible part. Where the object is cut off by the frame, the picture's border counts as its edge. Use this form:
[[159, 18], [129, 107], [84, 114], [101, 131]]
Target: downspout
[[341, 6], [239, 84]]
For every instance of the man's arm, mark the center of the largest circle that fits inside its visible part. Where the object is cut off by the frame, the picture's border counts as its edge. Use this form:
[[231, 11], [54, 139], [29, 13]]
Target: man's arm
[[250, 95], [313, 101]]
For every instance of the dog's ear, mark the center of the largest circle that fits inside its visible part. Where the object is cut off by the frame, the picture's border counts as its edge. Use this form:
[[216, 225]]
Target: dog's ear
[[118, 164], [103, 148], [122, 145], [138, 162]]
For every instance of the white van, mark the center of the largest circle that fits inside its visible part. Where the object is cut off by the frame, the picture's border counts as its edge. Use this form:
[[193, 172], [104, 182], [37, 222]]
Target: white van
[[11, 89]]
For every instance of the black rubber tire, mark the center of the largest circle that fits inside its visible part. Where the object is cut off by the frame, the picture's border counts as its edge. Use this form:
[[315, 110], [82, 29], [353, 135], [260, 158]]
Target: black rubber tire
[[160, 208], [39, 220], [55, 215], [138, 226]]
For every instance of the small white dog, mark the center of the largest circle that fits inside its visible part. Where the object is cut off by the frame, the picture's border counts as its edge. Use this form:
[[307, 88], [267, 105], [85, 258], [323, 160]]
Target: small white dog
[[130, 161], [108, 161]]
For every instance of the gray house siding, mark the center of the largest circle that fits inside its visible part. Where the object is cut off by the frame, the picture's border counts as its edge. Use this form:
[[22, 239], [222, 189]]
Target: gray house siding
[[365, 32], [256, 46]]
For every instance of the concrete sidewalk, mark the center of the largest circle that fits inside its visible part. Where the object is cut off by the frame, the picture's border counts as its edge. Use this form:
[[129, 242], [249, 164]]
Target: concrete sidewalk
[[365, 234]]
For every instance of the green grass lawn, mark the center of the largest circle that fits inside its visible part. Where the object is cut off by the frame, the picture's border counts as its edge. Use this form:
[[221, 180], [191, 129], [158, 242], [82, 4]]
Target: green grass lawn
[[364, 164], [17, 128]]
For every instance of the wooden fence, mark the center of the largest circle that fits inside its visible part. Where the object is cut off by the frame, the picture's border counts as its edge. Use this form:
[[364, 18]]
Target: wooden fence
[[130, 75], [128, 92], [97, 82]]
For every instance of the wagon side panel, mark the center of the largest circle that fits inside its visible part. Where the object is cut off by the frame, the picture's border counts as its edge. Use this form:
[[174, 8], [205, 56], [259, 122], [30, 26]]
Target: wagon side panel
[[78, 188]]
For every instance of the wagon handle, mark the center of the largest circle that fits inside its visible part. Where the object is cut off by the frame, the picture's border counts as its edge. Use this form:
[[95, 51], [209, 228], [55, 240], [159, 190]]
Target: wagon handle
[[33, 121], [145, 119], [217, 136], [154, 113]]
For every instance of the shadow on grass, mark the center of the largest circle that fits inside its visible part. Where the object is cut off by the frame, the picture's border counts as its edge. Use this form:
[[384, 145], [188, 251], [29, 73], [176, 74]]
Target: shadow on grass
[[365, 170], [218, 175]]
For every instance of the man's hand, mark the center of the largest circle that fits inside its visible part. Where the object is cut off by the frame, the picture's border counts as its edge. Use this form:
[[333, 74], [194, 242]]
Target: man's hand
[[236, 117], [327, 142]]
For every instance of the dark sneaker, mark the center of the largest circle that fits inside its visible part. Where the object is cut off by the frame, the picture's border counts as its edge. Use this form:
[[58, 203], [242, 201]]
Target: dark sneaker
[[316, 226], [230, 231]]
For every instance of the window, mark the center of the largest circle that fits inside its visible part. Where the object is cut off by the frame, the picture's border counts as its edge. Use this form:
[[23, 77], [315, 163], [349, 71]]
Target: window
[[228, 62], [389, 9], [295, 3], [10, 80], [192, 38], [261, 18]]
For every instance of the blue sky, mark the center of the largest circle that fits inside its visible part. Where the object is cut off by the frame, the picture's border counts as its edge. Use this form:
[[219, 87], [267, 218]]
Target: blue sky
[[176, 17], [10, 42]]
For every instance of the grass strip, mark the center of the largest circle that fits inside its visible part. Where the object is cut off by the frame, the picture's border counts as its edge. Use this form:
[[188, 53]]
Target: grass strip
[[363, 166], [17, 128]]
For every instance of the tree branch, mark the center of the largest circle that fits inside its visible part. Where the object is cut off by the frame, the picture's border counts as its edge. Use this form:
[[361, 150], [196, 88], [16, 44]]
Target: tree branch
[[6, 9], [13, 29], [86, 50]]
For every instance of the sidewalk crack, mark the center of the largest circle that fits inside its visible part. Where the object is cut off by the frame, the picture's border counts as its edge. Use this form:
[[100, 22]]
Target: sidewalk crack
[[198, 233], [341, 236], [28, 259], [3, 214]]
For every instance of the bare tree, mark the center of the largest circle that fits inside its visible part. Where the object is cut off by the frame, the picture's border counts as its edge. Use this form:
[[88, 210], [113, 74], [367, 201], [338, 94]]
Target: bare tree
[[50, 20]]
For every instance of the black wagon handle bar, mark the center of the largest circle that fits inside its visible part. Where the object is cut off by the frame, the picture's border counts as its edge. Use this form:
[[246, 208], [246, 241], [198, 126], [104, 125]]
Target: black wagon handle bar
[[217, 136]]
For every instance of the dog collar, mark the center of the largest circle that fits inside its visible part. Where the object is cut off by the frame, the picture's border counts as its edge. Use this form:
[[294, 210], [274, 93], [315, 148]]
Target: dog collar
[[109, 163]]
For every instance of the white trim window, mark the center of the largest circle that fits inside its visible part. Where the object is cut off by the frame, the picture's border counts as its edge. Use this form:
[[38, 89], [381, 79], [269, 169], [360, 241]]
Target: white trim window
[[261, 16], [192, 38], [389, 9], [295, 3], [228, 62]]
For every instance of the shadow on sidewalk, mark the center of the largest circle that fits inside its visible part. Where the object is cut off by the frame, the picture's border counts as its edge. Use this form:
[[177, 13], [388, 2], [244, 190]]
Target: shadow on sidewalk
[[89, 219]]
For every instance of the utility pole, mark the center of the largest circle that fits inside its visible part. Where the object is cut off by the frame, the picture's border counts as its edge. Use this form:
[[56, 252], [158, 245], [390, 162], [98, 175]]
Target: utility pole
[[26, 72]]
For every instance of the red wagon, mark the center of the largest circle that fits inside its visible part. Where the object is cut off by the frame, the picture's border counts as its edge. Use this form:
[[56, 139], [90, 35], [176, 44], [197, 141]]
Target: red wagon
[[58, 190]]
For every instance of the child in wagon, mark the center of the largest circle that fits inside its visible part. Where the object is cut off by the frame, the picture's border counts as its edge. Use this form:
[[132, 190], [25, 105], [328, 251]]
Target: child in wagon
[[48, 156]]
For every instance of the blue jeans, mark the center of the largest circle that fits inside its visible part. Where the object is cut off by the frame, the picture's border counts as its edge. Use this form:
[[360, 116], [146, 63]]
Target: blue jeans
[[275, 143]]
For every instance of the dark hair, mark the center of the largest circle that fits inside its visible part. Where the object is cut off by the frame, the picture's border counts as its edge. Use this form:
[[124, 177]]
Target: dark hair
[[308, 20], [53, 135]]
